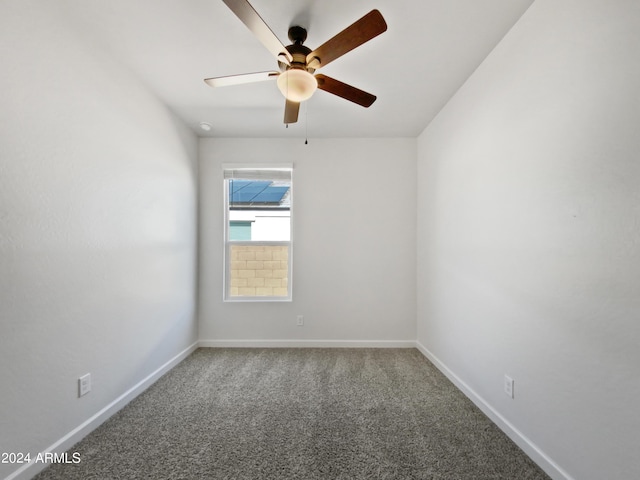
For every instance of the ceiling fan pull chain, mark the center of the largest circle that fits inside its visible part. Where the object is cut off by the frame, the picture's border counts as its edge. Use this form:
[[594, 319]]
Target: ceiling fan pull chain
[[306, 123]]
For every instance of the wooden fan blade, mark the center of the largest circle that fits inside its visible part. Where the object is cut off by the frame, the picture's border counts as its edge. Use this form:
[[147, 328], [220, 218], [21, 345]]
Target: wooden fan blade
[[291, 110], [363, 30], [240, 79], [345, 91], [247, 14]]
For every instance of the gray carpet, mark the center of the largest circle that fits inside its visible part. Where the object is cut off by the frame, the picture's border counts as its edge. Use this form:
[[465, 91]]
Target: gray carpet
[[299, 414]]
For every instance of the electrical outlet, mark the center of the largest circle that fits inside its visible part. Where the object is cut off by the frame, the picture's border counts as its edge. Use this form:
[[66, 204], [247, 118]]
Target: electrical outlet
[[300, 320], [84, 385], [508, 386]]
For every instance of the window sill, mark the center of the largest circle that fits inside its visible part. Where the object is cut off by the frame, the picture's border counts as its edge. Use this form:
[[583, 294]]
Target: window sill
[[258, 299]]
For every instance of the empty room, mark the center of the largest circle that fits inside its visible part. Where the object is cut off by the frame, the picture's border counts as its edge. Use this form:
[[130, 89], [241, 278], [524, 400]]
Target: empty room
[[320, 239]]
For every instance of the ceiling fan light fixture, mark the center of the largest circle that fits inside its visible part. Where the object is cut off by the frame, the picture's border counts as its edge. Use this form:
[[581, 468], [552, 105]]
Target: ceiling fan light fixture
[[297, 85]]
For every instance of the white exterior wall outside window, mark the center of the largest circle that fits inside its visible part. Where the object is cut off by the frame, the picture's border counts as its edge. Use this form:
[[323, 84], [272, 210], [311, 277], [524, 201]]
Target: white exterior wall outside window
[[257, 232]]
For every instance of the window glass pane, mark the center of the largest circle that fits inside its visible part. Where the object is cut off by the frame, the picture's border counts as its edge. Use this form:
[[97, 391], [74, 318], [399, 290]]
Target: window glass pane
[[259, 270], [264, 205]]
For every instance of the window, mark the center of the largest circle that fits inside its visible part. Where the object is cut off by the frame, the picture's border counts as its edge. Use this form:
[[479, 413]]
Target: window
[[257, 233]]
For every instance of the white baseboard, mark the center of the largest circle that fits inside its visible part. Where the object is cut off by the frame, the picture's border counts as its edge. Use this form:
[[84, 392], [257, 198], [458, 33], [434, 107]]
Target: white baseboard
[[29, 470], [307, 343], [532, 450]]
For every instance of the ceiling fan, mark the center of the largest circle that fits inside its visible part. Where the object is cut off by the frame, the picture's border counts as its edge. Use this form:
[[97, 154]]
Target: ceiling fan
[[297, 63]]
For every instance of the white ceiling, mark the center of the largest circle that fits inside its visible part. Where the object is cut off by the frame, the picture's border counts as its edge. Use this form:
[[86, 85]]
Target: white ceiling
[[429, 50]]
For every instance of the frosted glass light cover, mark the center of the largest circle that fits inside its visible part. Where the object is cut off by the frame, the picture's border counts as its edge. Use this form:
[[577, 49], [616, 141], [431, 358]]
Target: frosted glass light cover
[[297, 85]]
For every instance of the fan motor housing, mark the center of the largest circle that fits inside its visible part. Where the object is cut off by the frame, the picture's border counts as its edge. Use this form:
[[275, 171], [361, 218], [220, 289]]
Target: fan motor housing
[[297, 50]]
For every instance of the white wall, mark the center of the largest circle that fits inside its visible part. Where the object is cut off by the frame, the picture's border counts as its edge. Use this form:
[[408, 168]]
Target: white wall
[[97, 230], [353, 242], [266, 226], [529, 233]]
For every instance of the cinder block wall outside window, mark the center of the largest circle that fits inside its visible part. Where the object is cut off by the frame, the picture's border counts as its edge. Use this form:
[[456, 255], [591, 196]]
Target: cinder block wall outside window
[[259, 270]]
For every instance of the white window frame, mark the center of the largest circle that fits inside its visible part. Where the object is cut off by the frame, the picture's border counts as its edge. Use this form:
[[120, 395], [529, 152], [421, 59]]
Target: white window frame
[[226, 287]]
